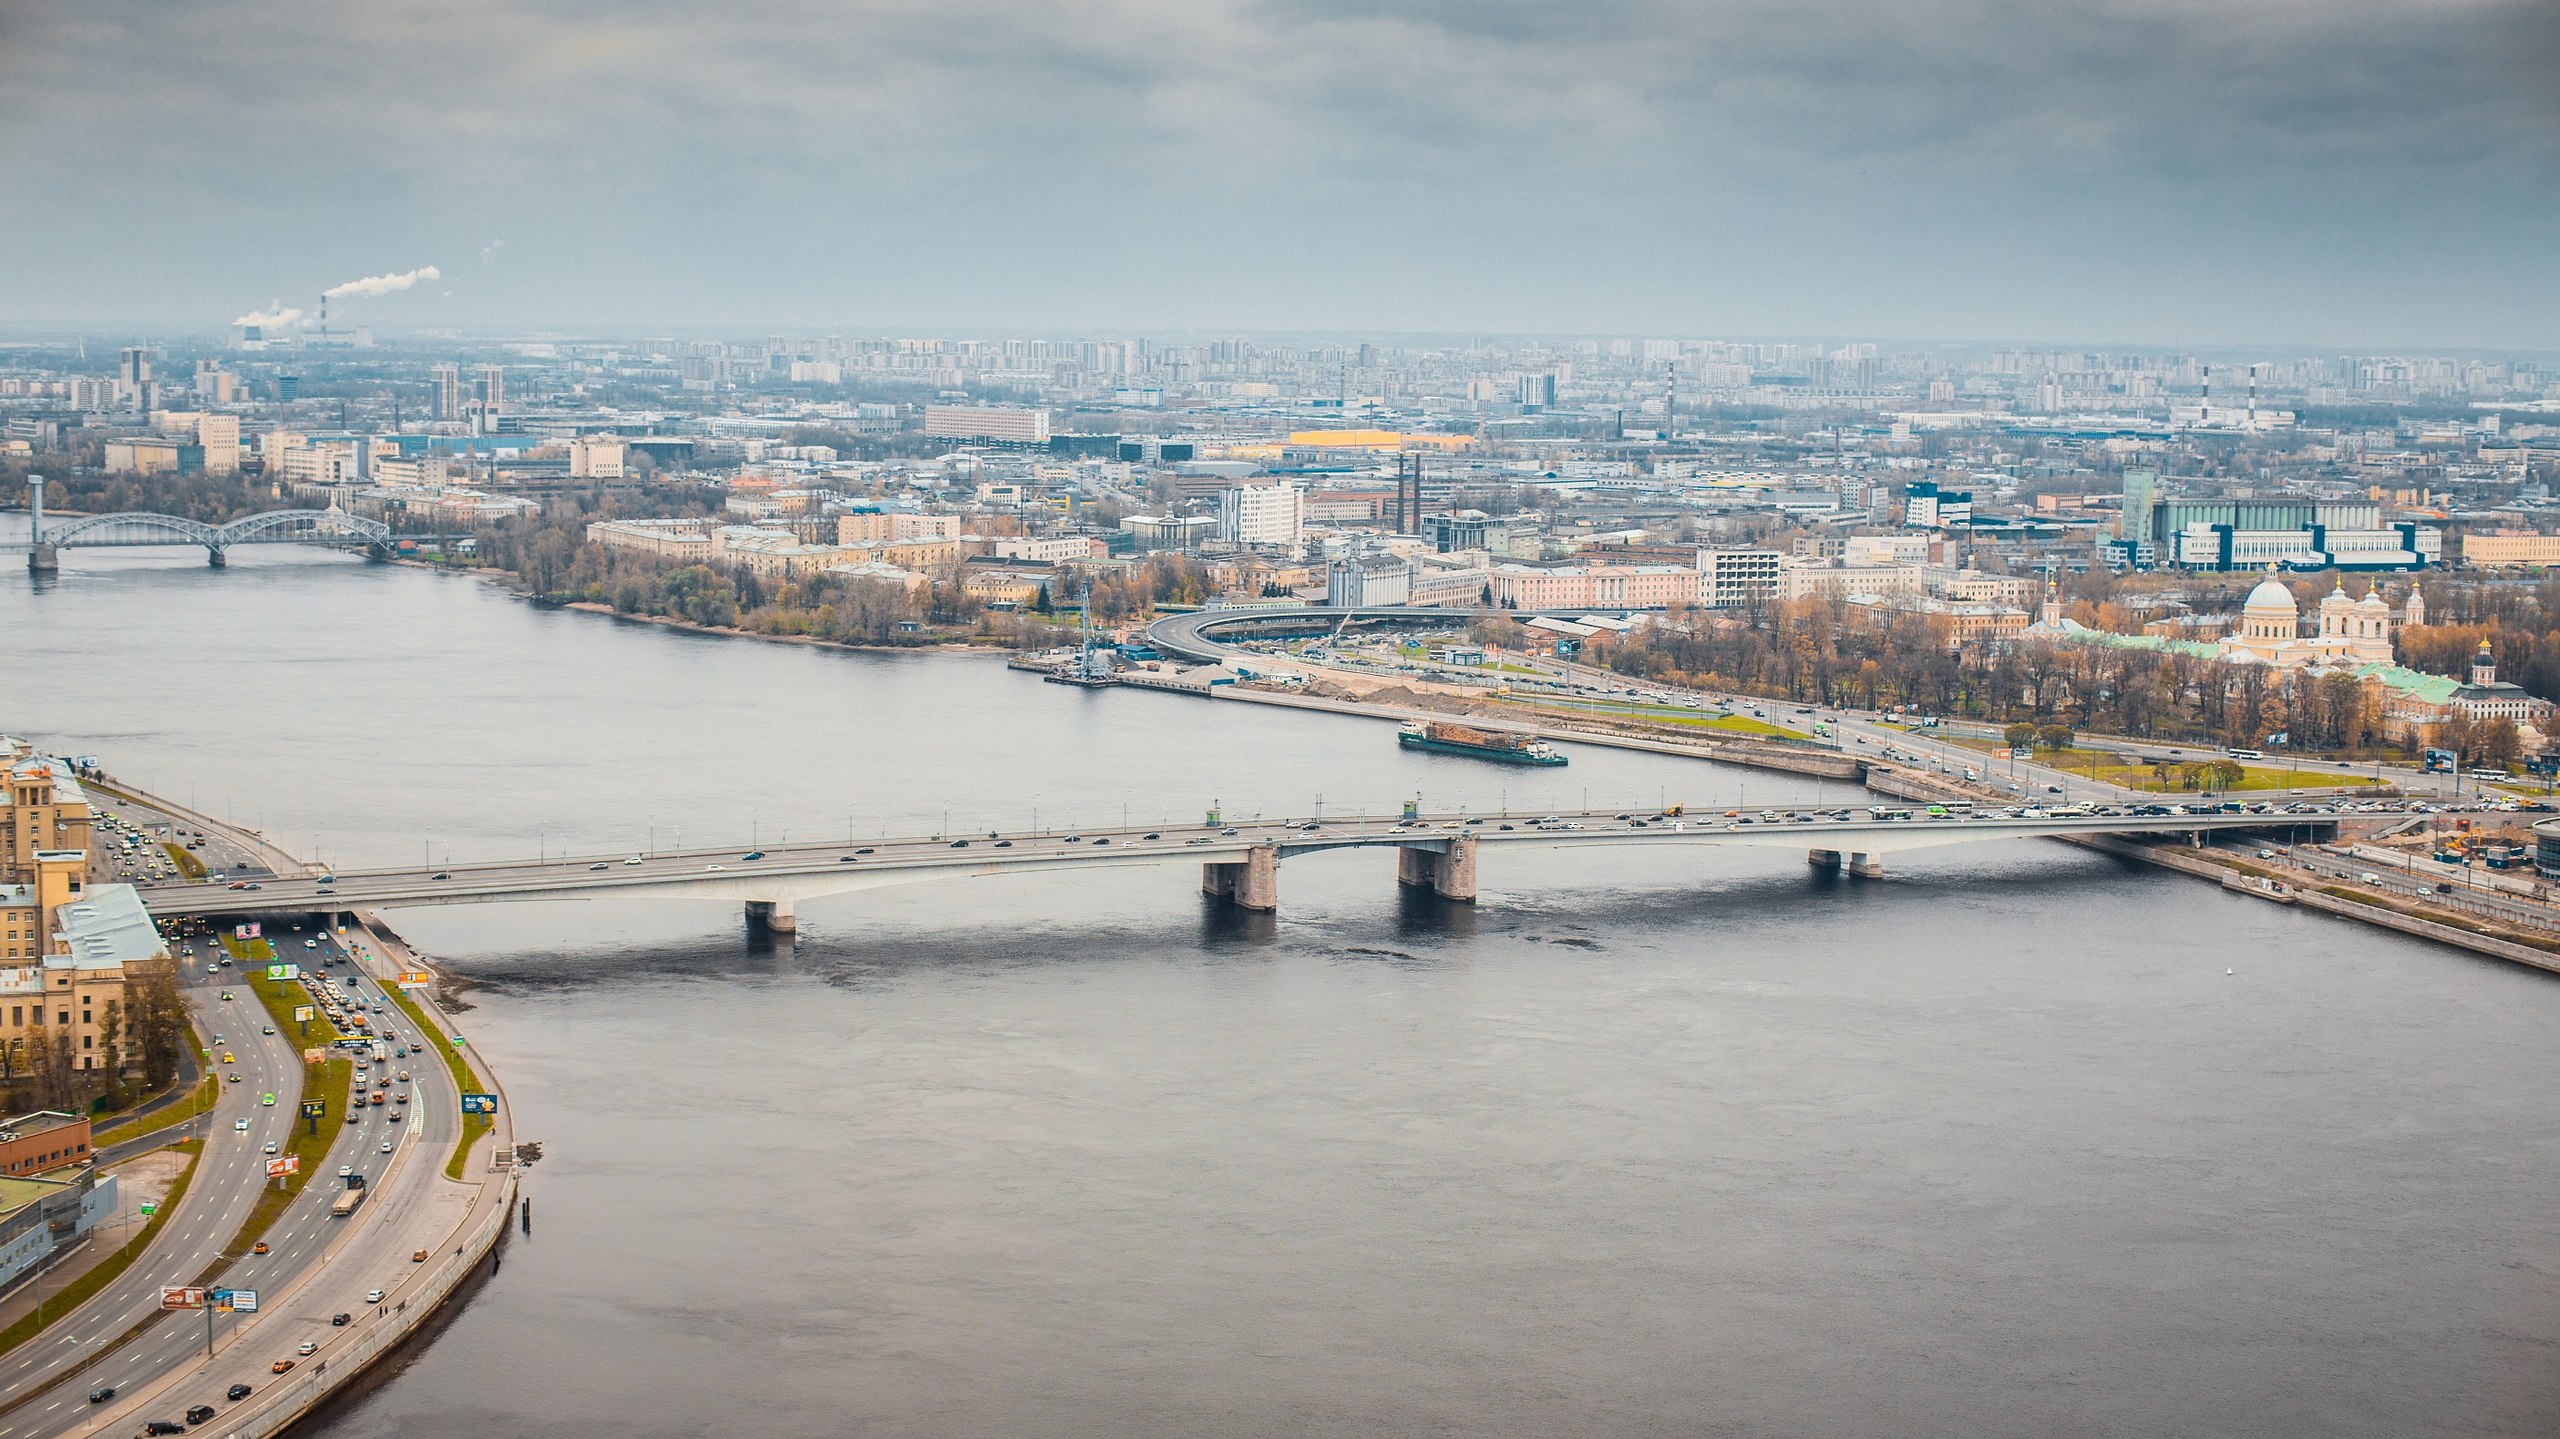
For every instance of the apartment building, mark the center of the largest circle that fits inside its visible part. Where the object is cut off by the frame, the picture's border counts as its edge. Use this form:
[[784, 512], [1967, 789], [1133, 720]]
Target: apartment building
[[1598, 587], [684, 541]]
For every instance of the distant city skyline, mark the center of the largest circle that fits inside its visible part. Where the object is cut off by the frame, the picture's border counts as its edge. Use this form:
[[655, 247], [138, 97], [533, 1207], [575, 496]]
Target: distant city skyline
[[2129, 173]]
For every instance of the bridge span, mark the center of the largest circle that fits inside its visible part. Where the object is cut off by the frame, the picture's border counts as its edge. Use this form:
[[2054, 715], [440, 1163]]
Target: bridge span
[[1239, 862], [332, 526]]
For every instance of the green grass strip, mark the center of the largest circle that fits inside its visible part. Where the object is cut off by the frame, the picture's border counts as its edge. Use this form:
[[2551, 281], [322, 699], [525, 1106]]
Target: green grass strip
[[168, 1117], [431, 1036], [80, 1290]]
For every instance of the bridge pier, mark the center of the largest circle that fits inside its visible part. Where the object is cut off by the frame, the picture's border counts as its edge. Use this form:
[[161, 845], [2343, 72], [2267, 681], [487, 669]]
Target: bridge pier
[[1825, 860], [1253, 884], [44, 559], [1865, 865], [773, 915], [1449, 873], [213, 556]]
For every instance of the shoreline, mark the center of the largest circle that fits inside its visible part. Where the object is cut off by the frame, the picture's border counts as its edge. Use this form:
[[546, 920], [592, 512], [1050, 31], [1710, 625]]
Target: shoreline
[[503, 580], [487, 1197], [1901, 782]]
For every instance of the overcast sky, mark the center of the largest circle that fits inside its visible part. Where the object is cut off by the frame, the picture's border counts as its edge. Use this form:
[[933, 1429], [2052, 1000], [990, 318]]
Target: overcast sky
[[2132, 172]]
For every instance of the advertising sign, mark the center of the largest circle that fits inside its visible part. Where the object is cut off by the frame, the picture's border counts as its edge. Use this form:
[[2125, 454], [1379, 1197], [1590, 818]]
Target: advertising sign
[[284, 971], [416, 979], [314, 1108], [479, 1104], [149, 1208], [302, 1013], [181, 1297], [244, 931], [315, 1056], [238, 1301], [284, 1164]]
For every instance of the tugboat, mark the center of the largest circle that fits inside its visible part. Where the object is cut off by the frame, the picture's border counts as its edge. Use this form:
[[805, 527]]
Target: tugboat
[[1498, 745]]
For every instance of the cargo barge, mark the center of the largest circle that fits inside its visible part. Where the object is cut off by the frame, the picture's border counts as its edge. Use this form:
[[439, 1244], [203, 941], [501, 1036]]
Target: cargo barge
[[1497, 745]]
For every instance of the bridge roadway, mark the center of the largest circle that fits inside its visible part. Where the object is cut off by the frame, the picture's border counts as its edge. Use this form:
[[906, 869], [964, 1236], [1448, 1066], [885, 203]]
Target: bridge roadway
[[1239, 860]]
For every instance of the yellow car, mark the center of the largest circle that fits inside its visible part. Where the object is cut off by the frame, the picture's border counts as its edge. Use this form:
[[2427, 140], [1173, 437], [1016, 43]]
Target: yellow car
[[231, 1059]]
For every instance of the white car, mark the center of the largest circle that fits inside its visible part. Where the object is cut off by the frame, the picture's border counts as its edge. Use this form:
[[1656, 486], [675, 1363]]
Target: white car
[[271, 1146], [239, 1126], [386, 1146], [373, 1296]]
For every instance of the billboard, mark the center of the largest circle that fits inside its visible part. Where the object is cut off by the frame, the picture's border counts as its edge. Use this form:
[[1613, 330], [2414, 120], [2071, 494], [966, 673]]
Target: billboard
[[314, 1108], [174, 1296], [479, 1104], [284, 1164], [416, 979], [284, 971], [237, 1301], [245, 931], [302, 1013]]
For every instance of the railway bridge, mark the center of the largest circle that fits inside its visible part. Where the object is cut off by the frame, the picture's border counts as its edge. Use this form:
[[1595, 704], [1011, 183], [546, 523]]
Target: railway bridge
[[331, 526]]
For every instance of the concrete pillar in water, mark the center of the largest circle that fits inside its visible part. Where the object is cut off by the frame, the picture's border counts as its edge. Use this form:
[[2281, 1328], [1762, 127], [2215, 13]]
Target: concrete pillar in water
[[1258, 887], [1252, 883], [775, 915], [1449, 873], [1825, 860], [1866, 866]]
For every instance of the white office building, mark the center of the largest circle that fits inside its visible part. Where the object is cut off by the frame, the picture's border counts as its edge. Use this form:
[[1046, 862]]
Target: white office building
[[1264, 517]]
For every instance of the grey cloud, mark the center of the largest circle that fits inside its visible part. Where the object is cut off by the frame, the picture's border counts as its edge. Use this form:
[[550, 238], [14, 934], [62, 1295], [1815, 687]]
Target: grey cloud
[[1444, 162]]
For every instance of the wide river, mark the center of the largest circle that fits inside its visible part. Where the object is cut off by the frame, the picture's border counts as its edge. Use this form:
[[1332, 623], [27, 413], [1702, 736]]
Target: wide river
[[2016, 1141]]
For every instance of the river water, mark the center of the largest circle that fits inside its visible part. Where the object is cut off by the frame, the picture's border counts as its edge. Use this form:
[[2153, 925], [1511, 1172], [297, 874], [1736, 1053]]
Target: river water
[[1662, 1142]]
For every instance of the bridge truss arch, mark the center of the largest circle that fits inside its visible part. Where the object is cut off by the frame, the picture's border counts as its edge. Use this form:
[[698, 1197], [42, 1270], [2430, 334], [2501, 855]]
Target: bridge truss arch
[[307, 526], [131, 528]]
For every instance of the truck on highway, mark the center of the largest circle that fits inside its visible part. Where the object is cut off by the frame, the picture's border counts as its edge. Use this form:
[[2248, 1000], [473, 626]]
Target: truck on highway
[[346, 1203]]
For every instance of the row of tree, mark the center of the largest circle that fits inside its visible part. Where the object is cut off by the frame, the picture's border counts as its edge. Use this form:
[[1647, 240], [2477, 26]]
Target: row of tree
[[1808, 651]]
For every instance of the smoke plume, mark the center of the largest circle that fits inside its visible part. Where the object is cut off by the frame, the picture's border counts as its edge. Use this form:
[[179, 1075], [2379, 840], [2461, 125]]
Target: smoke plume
[[277, 316], [372, 285]]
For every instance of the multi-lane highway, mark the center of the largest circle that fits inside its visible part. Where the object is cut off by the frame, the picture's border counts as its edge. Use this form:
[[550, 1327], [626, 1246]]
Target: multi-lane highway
[[409, 1203]]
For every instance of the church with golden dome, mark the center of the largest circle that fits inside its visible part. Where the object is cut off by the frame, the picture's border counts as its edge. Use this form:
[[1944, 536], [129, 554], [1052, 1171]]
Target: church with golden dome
[[2352, 631]]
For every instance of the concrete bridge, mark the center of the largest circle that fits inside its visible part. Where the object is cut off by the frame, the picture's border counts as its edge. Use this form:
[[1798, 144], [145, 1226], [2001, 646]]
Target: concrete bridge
[[276, 527], [1239, 862]]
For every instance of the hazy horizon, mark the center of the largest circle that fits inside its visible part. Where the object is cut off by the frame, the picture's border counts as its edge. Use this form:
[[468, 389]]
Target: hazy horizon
[[2158, 174]]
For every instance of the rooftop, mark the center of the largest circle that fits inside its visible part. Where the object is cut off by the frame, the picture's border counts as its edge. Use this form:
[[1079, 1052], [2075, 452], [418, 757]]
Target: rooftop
[[108, 928]]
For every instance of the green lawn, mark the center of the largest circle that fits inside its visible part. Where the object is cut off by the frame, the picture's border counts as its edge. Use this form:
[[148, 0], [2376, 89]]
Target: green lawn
[[160, 1119], [2104, 765], [327, 1082], [1657, 714], [184, 858]]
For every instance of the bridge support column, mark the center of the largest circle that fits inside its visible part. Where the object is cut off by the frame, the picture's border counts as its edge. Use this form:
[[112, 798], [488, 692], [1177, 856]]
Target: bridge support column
[[1252, 884], [1825, 860], [1866, 866], [44, 560], [213, 556], [773, 915], [1449, 873]]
